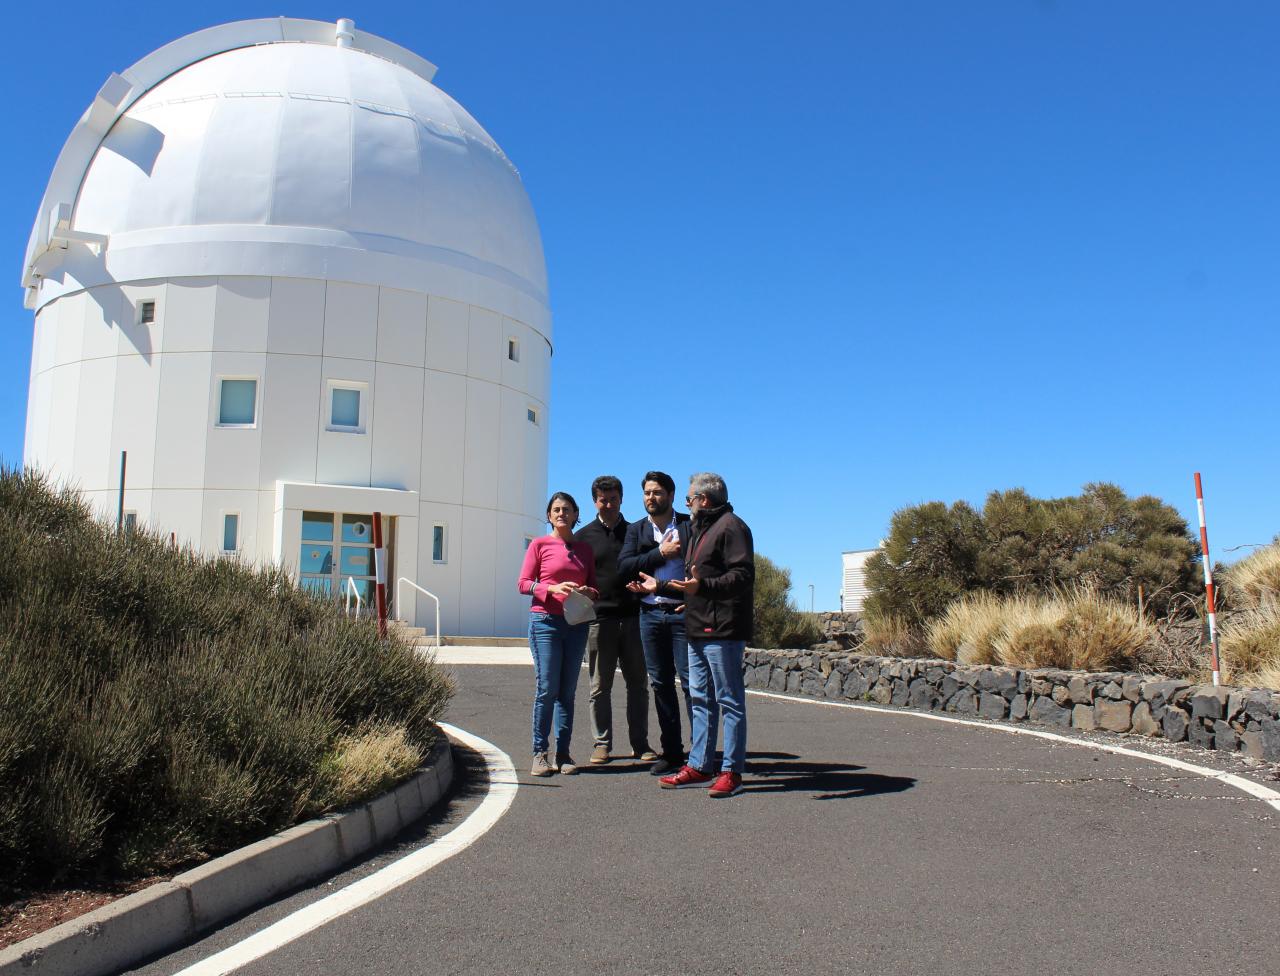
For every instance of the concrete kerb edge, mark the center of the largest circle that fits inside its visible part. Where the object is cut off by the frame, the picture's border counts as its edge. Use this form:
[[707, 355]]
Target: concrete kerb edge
[[169, 913]]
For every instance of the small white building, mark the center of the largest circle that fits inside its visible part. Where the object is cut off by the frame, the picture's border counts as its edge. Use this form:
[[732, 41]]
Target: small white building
[[853, 587], [298, 284]]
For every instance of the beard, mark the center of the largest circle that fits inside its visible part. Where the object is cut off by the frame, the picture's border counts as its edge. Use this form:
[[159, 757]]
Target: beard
[[654, 507]]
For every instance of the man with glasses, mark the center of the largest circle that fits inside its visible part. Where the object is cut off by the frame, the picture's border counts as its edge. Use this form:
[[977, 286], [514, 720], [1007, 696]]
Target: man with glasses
[[653, 547], [719, 595]]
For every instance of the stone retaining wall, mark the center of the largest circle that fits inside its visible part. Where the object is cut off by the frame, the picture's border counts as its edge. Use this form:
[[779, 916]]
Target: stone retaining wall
[[1243, 720]]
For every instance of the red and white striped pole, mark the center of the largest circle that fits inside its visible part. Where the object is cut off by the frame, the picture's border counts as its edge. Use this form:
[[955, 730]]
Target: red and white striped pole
[[1208, 585], [380, 574]]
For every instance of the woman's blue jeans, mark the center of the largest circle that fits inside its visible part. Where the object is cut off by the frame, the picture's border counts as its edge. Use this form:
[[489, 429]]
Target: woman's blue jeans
[[557, 648]]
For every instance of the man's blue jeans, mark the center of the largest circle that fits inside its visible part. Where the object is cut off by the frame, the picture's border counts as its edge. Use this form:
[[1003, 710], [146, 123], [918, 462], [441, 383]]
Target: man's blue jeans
[[557, 648], [666, 654], [715, 679]]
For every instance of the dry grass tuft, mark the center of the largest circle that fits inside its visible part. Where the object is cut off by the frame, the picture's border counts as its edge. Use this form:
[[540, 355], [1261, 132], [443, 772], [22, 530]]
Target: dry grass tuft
[[1250, 645], [1255, 582], [1078, 629], [367, 763], [1101, 634], [892, 636], [969, 628]]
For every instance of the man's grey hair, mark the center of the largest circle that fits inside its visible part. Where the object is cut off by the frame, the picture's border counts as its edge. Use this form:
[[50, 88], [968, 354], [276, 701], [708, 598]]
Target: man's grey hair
[[711, 485]]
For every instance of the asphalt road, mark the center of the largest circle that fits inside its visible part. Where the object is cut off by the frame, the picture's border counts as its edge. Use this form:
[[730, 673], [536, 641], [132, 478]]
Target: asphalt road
[[866, 842]]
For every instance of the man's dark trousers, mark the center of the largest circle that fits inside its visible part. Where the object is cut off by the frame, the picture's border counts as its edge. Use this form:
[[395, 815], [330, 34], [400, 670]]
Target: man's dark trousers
[[666, 654]]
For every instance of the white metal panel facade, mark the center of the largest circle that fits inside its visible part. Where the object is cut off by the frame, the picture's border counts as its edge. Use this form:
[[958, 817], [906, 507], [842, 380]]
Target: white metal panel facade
[[853, 586]]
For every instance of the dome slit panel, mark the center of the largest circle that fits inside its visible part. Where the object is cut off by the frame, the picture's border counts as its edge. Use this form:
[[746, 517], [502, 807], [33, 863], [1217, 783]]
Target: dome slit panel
[[234, 187], [386, 185], [313, 174]]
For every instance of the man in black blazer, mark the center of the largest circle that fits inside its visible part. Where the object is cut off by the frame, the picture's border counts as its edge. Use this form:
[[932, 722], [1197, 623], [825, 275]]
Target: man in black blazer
[[656, 546]]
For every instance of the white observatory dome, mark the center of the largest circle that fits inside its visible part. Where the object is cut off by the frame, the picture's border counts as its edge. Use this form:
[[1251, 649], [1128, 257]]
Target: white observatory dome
[[284, 288], [312, 144], [309, 159]]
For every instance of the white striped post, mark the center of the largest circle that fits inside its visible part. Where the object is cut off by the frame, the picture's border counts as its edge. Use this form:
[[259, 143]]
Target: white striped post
[[1208, 585]]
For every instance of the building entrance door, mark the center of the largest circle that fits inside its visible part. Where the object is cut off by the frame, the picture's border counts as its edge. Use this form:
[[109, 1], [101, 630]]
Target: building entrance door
[[337, 547]]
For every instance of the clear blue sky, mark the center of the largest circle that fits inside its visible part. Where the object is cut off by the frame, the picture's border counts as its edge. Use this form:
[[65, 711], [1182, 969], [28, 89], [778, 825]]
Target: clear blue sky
[[852, 255]]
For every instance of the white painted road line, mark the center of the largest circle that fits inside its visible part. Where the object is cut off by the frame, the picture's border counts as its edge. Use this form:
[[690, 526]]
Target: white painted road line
[[1264, 793], [502, 792]]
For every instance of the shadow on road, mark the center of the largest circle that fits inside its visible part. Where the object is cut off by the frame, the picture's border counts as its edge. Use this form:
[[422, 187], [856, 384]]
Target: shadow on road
[[827, 781], [627, 765]]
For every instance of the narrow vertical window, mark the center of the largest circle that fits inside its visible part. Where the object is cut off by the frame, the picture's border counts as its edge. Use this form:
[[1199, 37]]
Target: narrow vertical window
[[533, 415], [237, 402], [513, 349], [231, 532], [437, 543], [130, 522], [146, 312]]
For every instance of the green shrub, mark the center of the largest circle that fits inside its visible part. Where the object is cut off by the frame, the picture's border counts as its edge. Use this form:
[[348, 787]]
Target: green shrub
[[157, 707], [778, 622], [1101, 540], [929, 559]]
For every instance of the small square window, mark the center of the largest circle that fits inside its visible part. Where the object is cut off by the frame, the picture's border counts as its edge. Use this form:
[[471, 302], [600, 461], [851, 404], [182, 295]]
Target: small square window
[[237, 402], [230, 531], [347, 405], [438, 550], [533, 415], [513, 349], [146, 312]]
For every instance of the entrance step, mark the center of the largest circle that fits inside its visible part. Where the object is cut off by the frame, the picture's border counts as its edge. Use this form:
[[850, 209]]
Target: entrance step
[[485, 641], [406, 630]]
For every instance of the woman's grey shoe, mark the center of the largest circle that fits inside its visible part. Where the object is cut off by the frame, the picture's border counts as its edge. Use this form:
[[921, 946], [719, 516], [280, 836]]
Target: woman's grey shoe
[[565, 764], [540, 765]]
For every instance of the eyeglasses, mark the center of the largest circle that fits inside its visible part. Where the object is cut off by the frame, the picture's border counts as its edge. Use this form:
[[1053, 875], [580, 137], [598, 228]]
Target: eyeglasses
[[688, 499]]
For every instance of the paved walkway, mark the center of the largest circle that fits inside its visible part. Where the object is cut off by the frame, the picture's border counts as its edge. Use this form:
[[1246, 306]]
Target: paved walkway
[[866, 842]]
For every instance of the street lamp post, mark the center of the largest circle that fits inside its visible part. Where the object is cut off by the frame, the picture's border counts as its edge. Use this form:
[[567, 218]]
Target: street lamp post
[[811, 598]]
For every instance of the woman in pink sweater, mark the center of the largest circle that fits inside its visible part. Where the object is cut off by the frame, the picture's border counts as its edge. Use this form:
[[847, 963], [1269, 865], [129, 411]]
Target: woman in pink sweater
[[555, 566]]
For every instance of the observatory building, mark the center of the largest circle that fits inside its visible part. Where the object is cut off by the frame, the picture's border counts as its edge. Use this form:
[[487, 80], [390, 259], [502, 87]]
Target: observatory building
[[296, 284]]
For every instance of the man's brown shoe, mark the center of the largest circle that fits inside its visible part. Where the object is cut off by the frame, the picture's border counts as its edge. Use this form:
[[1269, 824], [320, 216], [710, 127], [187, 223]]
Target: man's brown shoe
[[599, 755], [647, 755]]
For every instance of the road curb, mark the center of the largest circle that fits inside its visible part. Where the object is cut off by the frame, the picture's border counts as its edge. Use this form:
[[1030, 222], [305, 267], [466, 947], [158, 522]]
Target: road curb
[[172, 912]]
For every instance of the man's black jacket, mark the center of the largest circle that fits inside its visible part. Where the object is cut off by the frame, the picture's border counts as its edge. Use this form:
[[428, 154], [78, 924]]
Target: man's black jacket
[[615, 600], [721, 555], [640, 554]]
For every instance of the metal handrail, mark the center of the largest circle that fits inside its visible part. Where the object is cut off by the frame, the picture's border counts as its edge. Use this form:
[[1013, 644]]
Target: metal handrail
[[405, 579], [352, 591]]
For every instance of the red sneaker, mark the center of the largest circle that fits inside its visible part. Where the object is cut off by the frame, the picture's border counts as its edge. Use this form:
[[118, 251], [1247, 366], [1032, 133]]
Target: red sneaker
[[687, 777], [726, 784]]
